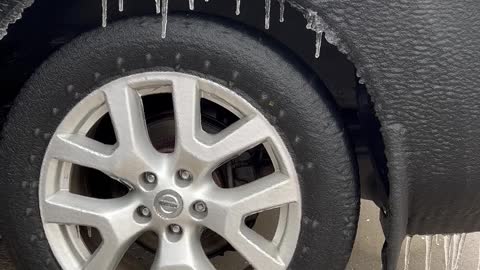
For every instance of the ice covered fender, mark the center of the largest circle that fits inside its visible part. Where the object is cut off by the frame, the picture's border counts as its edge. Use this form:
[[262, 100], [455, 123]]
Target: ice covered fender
[[10, 12]]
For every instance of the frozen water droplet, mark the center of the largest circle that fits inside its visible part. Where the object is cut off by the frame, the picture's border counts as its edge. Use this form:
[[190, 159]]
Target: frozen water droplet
[[237, 10], [164, 17], [191, 4], [408, 244], [158, 6], [428, 252], [268, 6], [282, 10], [318, 44], [104, 13], [120, 5]]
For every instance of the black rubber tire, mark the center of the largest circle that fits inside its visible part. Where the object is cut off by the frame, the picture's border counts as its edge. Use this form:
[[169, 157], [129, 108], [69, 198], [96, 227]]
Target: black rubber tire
[[287, 93]]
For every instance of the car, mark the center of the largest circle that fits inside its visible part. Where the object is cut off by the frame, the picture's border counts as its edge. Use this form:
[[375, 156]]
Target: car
[[234, 134]]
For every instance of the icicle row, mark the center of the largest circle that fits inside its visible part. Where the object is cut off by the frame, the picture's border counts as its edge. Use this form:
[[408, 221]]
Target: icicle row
[[282, 10], [164, 17], [408, 244], [428, 252], [268, 7]]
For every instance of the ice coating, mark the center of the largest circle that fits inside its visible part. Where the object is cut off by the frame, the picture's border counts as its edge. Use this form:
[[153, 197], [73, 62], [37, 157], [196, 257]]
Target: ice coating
[[268, 7], [11, 13], [408, 245]]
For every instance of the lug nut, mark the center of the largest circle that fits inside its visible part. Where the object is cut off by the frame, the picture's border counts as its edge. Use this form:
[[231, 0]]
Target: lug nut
[[175, 228], [185, 175], [200, 207], [150, 178], [144, 211]]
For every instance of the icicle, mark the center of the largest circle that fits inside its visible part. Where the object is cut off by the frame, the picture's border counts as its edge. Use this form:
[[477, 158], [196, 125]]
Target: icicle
[[461, 245], [408, 244], [318, 45], [164, 17], [446, 249], [428, 252], [454, 250], [191, 4], [104, 13], [268, 6], [282, 10], [158, 5], [237, 10], [120, 5], [89, 232], [478, 262]]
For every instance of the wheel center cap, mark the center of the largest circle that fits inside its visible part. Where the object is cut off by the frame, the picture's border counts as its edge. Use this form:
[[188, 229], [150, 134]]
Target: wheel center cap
[[168, 204]]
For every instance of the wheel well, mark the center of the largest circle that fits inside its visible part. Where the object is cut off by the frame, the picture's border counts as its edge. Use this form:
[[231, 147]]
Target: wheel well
[[47, 25]]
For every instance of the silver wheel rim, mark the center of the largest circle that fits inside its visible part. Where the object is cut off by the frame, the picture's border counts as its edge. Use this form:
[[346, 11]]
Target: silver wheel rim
[[168, 201]]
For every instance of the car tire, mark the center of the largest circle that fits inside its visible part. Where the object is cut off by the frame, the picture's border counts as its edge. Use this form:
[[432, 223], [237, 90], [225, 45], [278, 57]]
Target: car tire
[[288, 94]]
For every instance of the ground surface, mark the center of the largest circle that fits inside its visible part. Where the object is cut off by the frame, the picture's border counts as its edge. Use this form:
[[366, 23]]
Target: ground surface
[[368, 245]]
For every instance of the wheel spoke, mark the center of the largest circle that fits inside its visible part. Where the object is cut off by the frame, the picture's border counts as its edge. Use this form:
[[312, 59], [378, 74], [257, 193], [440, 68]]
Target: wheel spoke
[[186, 103], [229, 207], [83, 151], [113, 218], [258, 251], [184, 254], [266, 193], [108, 255], [128, 118], [236, 139]]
